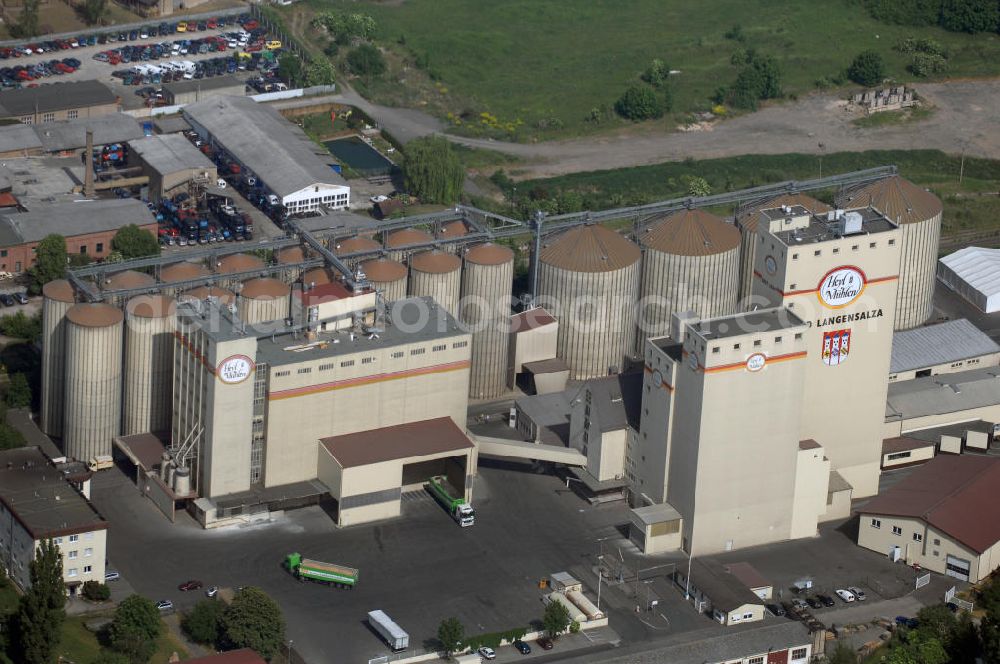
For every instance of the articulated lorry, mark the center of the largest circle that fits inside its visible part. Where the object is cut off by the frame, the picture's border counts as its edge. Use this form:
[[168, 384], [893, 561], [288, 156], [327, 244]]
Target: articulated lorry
[[393, 634], [460, 510], [305, 569]]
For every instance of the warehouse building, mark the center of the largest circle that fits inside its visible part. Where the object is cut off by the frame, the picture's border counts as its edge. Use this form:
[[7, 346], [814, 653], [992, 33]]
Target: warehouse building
[[37, 502], [903, 451], [955, 345], [973, 273], [182, 93], [945, 400], [944, 517], [286, 162], [58, 101], [172, 163], [784, 642], [718, 591], [88, 227]]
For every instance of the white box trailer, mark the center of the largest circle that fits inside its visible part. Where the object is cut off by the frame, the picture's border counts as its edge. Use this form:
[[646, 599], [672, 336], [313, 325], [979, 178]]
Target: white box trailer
[[393, 634]]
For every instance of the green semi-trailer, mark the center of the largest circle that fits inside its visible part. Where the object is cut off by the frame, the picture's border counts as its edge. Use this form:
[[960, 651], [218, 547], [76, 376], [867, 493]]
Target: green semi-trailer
[[305, 569], [459, 510]]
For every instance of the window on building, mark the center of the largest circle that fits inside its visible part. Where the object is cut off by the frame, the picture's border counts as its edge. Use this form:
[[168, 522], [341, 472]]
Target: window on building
[[736, 346], [937, 542], [367, 360], [326, 367], [27, 119], [71, 571], [777, 340], [917, 537], [798, 336], [854, 247], [74, 538], [48, 117], [747, 616], [398, 354], [872, 245], [88, 552], [281, 374], [57, 541], [795, 257], [3, 253], [347, 363], [100, 247], [756, 343], [800, 653], [936, 553], [898, 455], [460, 344], [817, 253], [892, 243], [759, 659], [72, 114], [418, 351], [439, 348], [87, 569], [836, 250], [792, 286], [305, 370], [83, 248], [71, 555], [896, 530], [876, 523]]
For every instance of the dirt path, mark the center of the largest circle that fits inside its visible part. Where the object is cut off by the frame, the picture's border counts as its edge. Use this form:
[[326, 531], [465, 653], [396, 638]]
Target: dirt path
[[966, 117]]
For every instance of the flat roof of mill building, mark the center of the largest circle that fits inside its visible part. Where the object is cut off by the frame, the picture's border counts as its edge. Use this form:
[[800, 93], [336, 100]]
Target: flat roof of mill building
[[277, 151]]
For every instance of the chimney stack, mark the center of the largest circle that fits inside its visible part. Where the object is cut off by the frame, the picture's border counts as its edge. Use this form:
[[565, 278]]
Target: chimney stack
[[88, 178]]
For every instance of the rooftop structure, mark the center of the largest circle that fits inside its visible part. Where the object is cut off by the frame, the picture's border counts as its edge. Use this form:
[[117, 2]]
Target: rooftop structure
[[170, 153], [944, 394], [55, 97], [974, 273], [804, 227], [414, 439], [79, 218], [944, 343], [764, 320], [72, 134]]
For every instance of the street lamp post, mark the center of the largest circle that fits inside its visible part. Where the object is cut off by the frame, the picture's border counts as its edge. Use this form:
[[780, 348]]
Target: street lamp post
[[600, 575], [288, 652]]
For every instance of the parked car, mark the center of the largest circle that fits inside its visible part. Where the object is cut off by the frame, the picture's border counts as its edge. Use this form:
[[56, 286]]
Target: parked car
[[858, 593], [813, 602], [7, 300], [776, 610], [165, 605], [189, 585], [522, 647], [212, 591], [545, 643], [904, 621], [845, 595], [111, 575], [487, 653], [826, 600], [21, 298]]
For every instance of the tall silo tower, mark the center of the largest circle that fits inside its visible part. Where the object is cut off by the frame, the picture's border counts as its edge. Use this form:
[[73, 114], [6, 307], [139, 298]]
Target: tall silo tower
[[487, 280]]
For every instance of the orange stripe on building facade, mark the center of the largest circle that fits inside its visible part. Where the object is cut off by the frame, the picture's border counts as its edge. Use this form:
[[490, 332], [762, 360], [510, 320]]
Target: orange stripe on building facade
[[742, 365], [665, 385], [367, 380]]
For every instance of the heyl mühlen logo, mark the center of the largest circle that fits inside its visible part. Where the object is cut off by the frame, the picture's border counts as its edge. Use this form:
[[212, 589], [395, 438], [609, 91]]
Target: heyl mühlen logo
[[234, 369], [841, 286], [756, 362]]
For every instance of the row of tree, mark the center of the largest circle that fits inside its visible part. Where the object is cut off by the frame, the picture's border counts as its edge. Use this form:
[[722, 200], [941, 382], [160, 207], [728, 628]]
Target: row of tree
[[955, 15], [252, 620], [451, 632]]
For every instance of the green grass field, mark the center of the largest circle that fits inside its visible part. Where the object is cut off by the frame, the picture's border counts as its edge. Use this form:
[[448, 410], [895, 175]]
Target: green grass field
[[537, 60], [973, 205]]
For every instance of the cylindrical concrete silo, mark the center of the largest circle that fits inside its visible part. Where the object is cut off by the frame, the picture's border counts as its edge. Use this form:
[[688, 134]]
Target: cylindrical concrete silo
[[223, 296], [234, 263], [403, 237], [183, 271], [126, 279], [149, 357], [93, 379], [589, 279], [917, 212], [290, 256], [746, 222], [451, 230], [263, 300], [318, 276], [691, 263], [437, 274], [386, 275], [487, 280], [353, 245], [57, 299]]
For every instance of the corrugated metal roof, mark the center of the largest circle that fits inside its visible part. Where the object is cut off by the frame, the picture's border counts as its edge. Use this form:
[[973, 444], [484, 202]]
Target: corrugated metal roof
[[589, 249], [979, 268], [900, 200], [943, 343], [953, 493], [691, 233], [943, 394], [170, 153], [55, 97], [74, 219], [748, 218]]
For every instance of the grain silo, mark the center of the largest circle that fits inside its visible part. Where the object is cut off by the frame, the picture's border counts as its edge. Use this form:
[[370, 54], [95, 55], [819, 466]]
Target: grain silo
[[387, 276], [746, 222], [93, 379], [57, 299], [487, 280], [588, 278], [403, 237], [353, 245], [918, 214], [691, 263], [450, 231], [234, 263], [290, 256], [149, 357], [223, 296], [438, 274], [127, 280], [183, 271], [263, 300], [318, 276]]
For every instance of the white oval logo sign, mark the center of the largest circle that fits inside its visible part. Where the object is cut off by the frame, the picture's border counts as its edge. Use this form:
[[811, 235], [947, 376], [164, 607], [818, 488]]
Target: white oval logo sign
[[841, 286], [235, 369], [756, 362], [771, 265]]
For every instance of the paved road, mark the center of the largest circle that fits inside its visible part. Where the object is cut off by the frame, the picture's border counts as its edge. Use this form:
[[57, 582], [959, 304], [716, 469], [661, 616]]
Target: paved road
[[965, 118]]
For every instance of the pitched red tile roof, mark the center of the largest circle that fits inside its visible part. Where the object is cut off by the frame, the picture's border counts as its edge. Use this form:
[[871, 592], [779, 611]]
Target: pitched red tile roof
[[955, 494]]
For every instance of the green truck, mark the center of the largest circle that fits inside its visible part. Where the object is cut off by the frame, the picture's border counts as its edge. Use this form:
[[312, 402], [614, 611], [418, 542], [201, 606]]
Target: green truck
[[459, 510], [305, 569]]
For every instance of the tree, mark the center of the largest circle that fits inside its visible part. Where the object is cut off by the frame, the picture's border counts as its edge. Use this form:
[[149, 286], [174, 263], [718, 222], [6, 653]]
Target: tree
[[918, 648], [696, 186], [110, 657], [253, 620], [94, 11], [989, 635], [20, 326], [927, 64], [639, 102], [204, 621], [656, 73], [50, 262], [41, 610], [842, 654], [133, 242], [10, 437], [290, 68], [320, 72], [450, 634], [905, 12], [759, 79], [366, 61], [970, 15], [867, 69], [556, 619], [18, 393], [937, 621], [27, 23], [432, 171], [95, 591], [135, 628]]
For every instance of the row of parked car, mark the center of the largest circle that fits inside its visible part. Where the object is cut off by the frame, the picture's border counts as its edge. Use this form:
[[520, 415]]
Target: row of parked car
[[817, 601], [147, 52], [19, 74]]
